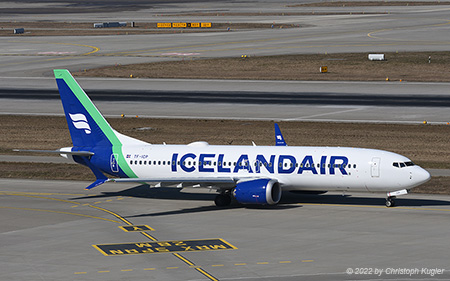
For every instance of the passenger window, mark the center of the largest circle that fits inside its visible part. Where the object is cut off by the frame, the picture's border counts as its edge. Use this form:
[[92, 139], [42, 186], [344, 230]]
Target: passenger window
[[145, 162], [131, 162], [354, 166]]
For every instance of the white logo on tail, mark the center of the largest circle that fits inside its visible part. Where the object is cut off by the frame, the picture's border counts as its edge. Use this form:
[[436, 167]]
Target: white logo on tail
[[80, 122]]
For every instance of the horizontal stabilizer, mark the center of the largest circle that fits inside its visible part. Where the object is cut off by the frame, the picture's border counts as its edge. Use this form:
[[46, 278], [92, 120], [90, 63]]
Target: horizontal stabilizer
[[79, 153]]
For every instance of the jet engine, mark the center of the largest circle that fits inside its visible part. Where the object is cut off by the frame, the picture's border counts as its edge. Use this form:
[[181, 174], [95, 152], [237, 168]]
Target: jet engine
[[259, 191]]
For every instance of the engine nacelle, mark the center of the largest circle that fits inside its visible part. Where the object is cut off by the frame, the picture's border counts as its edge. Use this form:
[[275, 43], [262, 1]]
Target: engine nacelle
[[259, 191]]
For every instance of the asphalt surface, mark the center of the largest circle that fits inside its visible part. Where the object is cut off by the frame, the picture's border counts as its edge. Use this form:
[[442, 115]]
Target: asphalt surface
[[49, 227], [240, 97]]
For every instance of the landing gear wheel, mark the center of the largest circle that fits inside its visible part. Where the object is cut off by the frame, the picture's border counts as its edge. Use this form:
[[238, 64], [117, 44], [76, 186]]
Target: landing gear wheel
[[222, 200], [390, 202]]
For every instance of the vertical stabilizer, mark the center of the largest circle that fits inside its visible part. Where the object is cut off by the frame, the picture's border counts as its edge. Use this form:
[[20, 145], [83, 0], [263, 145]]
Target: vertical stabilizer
[[89, 130], [279, 139]]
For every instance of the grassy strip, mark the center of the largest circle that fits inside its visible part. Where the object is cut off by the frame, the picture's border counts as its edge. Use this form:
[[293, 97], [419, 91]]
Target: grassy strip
[[410, 66], [45, 171], [427, 145]]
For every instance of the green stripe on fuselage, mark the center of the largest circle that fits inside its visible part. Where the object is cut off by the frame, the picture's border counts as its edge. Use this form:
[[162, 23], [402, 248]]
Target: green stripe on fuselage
[[98, 118]]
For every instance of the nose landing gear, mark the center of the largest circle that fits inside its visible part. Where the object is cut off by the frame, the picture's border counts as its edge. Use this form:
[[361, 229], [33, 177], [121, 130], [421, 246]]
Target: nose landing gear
[[390, 200]]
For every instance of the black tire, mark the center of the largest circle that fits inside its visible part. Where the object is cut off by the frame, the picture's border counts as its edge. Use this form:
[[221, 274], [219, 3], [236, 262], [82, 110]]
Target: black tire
[[222, 200], [390, 203]]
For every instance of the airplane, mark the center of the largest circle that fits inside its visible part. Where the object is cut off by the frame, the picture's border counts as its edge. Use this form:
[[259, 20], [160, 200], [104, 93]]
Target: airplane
[[249, 174]]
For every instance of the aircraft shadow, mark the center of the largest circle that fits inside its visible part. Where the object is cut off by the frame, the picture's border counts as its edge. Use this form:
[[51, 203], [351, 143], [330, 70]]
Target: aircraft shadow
[[287, 199]]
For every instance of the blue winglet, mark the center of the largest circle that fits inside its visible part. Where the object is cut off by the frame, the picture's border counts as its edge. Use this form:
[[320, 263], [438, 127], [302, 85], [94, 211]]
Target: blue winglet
[[101, 178], [279, 140], [96, 183]]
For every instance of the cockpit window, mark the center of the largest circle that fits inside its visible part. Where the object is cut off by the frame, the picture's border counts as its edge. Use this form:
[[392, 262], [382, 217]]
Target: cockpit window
[[403, 164]]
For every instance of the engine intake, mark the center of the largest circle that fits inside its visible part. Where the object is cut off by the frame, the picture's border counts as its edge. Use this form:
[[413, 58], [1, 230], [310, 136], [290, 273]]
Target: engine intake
[[259, 191]]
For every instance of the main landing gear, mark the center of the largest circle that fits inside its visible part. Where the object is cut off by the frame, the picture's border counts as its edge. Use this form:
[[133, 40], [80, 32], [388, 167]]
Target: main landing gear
[[223, 199]]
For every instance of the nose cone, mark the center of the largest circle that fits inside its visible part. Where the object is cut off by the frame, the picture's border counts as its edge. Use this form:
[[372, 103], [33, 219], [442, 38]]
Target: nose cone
[[421, 176]]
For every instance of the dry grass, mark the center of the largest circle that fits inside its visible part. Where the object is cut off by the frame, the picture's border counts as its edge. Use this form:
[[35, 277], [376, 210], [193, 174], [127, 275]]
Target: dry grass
[[412, 66], [427, 145]]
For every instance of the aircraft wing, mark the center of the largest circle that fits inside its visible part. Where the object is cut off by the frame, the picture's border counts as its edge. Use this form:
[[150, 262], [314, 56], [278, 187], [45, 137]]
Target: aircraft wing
[[222, 182]]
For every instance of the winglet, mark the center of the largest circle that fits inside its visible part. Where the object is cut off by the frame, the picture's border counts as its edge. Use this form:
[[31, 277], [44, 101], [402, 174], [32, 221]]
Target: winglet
[[97, 183], [279, 140]]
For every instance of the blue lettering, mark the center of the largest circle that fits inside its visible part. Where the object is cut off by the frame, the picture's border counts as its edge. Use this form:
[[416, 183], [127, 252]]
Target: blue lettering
[[290, 164], [261, 161], [183, 162], [202, 162], [307, 165], [333, 165], [323, 160], [243, 164], [174, 162], [220, 165]]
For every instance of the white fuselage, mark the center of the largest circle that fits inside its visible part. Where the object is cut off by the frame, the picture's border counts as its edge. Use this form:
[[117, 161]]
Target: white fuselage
[[295, 168]]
